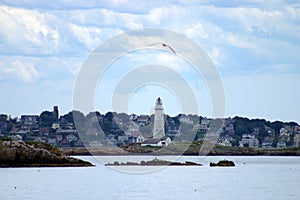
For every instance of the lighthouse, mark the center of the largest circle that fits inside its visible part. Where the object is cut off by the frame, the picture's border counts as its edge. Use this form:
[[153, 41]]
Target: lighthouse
[[158, 138], [159, 123]]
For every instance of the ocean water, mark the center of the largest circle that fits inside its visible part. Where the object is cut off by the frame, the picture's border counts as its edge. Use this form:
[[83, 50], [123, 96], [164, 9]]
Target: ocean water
[[252, 178]]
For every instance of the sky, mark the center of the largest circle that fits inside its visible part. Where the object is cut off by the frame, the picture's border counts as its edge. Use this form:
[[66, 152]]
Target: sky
[[254, 45]]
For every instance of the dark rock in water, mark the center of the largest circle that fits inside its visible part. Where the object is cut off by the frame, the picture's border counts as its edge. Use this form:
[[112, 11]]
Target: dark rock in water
[[222, 163], [154, 162], [21, 154]]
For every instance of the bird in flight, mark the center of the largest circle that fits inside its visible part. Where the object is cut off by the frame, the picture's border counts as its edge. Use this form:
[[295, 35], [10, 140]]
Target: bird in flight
[[164, 45]]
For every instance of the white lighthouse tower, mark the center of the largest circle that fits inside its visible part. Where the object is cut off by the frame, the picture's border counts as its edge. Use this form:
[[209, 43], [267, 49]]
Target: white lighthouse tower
[[159, 123]]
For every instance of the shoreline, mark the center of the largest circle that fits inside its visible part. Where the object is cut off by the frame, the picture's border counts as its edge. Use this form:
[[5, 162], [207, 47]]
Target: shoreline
[[217, 151]]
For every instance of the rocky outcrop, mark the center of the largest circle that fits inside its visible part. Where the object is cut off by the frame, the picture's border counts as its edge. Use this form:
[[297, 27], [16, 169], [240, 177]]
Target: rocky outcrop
[[20, 154], [222, 163], [154, 162]]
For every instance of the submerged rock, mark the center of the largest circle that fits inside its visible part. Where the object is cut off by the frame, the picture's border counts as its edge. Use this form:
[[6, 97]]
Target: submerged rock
[[21, 154]]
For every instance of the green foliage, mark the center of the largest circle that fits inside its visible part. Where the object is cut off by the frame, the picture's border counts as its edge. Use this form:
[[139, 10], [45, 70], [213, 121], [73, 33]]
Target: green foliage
[[45, 146], [241, 125], [188, 134], [3, 118], [147, 129], [6, 139], [47, 119], [106, 127], [69, 117], [125, 118], [109, 117], [277, 125], [235, 141], [79, 120], [200, 135]]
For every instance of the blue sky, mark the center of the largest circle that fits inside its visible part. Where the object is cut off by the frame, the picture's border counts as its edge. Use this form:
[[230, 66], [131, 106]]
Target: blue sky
[[255, 46]]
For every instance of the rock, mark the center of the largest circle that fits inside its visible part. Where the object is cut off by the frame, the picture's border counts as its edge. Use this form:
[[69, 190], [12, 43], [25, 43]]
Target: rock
[[21, 154], [222, 163], [155, 162]]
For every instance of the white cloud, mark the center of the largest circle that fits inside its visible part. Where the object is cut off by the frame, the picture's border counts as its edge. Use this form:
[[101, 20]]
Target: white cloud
[[216, 56], [119, 2], [196, 30], [26, 30], [171, 61], [89, 36], [101, 17], [155, 16], [25, 72], [159, 16], [240, 37]]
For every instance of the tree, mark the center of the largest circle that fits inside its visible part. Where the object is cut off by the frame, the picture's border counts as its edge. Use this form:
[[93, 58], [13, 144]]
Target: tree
[[3, 118], [47, 119], [277, 125], [109, 116], [79, 121], [125, 118], [68, 117]]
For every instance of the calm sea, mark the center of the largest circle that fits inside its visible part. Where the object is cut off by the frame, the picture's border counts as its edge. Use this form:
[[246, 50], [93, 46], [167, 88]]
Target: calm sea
[[252, 178]]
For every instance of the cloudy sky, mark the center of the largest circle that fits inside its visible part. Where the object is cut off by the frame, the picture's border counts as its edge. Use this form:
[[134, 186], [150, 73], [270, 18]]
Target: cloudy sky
[[255, 46]]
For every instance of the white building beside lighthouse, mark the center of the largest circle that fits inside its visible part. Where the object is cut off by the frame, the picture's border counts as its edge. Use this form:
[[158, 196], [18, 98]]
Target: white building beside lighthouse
[[159, 123]]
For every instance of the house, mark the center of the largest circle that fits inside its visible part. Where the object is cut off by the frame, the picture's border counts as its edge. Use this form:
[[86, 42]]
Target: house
[[44, 131], [284, 132], [136, 138], [254, 143], [143, 120], [296, 140], [172, 131], [55, 126], [52, 141], [165, 141], [249, 141], [266, 145], [78, 143], [132, 129], [186, 120], [269, 131], [39, 139], [140, 138], [29, 119], [256, 131], [59, 137], [205, 121], [296, 130], [15, 137], [225, 142], [281, 144], [123, 138], [203, 128], [71, 137], [66, 132], [111, 139], [65, 143]]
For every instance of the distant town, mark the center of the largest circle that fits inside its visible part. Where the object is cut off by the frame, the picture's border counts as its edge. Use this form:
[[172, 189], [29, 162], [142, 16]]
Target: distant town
[[121, 129]]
